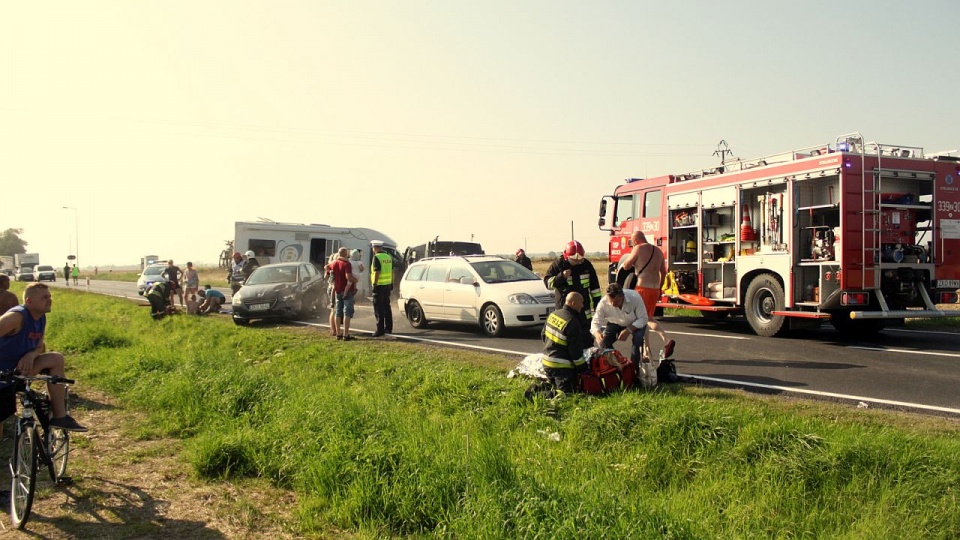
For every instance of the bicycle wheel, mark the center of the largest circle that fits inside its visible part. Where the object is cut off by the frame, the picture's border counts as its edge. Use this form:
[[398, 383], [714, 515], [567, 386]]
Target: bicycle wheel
[[58, 449], [24, 471]]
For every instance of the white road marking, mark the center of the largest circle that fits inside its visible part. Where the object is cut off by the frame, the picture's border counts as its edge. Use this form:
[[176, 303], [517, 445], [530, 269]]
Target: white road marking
[[907, 351], [829, 394], [918, 331], [672, 332]]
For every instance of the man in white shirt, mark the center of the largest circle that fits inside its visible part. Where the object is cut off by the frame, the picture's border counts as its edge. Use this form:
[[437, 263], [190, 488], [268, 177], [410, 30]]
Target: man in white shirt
[[620, 314]]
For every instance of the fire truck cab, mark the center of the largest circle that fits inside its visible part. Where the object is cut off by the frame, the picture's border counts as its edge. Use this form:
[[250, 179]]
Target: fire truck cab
[[858, 233]]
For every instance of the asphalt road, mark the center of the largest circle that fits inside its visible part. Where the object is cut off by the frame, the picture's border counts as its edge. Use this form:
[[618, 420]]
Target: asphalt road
[[899, 368]]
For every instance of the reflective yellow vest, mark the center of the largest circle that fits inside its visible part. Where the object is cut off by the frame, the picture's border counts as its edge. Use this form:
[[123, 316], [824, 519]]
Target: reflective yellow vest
[[386, 270]]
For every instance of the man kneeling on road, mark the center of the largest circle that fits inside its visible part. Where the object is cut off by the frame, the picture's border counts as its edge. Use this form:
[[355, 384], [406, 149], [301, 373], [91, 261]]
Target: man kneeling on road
[[212, 300], [22, 347], [562, 358], [620, 314]]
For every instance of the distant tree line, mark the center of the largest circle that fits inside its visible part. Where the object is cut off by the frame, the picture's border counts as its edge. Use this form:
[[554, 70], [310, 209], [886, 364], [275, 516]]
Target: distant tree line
[[11, 244]]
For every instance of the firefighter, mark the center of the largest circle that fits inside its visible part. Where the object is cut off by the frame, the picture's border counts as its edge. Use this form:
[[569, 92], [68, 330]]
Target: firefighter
[[562, 357], [160, 297], [572, 272]]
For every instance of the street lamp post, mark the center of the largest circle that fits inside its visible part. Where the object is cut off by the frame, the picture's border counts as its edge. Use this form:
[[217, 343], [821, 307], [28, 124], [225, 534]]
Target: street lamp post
[[76, 234]]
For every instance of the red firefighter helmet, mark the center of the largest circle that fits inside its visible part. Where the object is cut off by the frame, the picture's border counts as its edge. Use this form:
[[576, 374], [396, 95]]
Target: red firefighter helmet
[[574, 251]]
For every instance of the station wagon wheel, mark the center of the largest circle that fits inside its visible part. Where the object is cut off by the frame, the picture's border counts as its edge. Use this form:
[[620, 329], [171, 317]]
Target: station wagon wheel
[[491, 320], [415, 315]]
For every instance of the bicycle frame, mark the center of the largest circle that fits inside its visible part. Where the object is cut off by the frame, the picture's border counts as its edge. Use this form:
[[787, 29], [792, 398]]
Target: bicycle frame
[[36, 444]]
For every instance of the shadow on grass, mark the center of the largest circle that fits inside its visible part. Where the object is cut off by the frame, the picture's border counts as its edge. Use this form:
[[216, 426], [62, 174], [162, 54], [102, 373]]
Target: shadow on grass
[[99, 508], [78, 401]]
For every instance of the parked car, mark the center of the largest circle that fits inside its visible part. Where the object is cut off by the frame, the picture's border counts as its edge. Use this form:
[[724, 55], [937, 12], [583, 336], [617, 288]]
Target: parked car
[[280, 291], [44, 273], [150, 275], [491, 292], [24, 274], [9, 273]]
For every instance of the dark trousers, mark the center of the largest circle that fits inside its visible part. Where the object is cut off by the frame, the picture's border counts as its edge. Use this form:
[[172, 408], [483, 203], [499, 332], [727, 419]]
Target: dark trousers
[[565, 379], [382, 310], [610, 333], [158, 308]]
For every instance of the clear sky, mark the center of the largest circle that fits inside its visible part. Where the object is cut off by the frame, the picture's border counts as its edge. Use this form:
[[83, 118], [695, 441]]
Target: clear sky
[[164, 122]]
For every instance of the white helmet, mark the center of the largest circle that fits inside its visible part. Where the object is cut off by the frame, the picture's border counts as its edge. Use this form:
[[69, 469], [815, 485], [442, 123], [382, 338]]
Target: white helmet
[[249, 254]]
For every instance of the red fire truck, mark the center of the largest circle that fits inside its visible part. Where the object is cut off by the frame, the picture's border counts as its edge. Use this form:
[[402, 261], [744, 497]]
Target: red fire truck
[[860, 233]]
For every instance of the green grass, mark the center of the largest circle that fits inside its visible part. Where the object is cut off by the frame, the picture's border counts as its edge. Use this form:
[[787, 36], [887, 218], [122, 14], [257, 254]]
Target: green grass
[[400, 440], [208, 274]]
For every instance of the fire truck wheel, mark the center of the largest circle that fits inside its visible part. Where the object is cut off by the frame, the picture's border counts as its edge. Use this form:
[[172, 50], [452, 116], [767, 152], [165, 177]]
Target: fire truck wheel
[[764, 296], [415, 315]]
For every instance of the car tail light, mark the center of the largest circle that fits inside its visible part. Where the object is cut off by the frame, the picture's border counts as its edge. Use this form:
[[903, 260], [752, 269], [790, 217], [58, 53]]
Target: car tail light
[[854, 299], [947, 298]]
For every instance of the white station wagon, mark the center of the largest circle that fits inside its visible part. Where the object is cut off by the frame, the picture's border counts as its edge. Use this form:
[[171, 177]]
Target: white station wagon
[[489, 291]]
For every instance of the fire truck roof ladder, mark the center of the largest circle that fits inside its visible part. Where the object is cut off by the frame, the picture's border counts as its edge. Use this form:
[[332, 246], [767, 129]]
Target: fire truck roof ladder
[[852, 143]]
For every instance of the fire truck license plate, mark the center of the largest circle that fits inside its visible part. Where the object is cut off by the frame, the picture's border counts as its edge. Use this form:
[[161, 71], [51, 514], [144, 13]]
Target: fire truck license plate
[[948, 283], [259, 307]]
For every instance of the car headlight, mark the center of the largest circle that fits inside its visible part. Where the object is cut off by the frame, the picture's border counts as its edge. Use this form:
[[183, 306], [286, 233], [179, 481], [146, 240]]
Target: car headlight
[[237, 299], [522, 298]]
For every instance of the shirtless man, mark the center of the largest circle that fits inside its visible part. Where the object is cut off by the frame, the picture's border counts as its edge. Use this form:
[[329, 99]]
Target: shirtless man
[[7, 298], [651, 269]]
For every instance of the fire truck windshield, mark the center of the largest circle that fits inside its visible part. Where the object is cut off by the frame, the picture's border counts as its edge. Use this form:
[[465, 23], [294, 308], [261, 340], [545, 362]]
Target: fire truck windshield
[[626, 209]]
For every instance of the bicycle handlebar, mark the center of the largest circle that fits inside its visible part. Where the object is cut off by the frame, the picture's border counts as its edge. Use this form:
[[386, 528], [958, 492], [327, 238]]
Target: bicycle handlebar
[[9, 376]]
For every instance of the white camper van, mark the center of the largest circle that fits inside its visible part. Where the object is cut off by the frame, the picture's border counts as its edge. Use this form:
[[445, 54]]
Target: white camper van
[[273, 242]]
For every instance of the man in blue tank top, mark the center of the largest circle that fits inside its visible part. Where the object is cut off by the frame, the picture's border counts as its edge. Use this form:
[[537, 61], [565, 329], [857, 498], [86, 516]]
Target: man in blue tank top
[[22, 347]]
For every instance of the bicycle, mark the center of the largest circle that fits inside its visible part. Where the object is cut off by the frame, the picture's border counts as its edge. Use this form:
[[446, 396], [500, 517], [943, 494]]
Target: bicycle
[[36, 443], [226, 256]]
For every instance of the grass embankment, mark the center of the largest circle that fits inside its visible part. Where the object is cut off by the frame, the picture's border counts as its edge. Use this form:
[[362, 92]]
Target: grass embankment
[[396, 440], [216, 277]]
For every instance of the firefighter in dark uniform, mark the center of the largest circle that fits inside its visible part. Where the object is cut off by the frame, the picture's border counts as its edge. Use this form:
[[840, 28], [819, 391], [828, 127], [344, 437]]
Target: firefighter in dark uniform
[[562, 356], [160, 298], [572, 272], [381, 278]]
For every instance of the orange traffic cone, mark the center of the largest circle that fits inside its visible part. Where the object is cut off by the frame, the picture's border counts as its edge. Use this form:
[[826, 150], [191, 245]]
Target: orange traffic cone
[[747, 233]]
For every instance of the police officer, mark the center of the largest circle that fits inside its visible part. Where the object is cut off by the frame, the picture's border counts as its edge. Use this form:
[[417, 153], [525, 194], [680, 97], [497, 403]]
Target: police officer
[[238, 272], [572, 272], [381, 278], [563, 349]]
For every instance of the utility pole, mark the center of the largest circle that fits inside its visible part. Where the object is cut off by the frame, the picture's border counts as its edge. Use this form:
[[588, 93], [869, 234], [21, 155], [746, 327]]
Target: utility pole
[[722, 150], [76, 234]]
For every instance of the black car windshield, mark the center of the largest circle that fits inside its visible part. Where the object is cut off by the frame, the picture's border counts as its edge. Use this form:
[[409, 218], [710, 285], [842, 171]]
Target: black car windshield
[[502, 271], [273, 274]]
